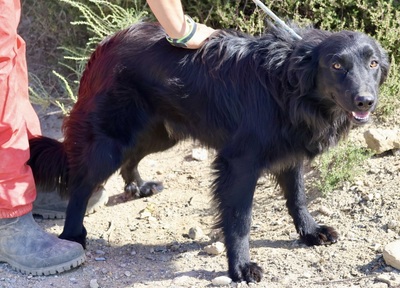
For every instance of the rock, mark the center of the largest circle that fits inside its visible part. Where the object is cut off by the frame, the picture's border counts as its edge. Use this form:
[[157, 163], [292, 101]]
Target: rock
[[379, 285], [94, 284], [393, 225], [181, 280], [391, 254], [390, 280], [215, 248], [200, 154], [324, 211], [145, 213], [221, 281], [381, 140], [195, 233]]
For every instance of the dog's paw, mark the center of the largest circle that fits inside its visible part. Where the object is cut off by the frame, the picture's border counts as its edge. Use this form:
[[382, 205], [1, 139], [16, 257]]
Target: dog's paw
[[249, 272], [132, 191], [150, 188], [322, 235], [81, 238]]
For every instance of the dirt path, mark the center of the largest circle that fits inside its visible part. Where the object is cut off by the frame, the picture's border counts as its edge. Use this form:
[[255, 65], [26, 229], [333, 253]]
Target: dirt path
[[145, 243]]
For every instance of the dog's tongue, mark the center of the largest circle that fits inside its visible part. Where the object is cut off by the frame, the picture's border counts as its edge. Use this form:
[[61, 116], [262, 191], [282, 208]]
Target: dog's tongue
[[360, 115]]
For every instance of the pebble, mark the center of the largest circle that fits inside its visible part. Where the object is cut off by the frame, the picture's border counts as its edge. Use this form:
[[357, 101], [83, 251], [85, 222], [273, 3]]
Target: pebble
[[200, 154], [181, 280], [144, 214], [128, 273], [391, 254], [100, 259], [384, 278], [73, 280], [215, 248], [293, 236], [221, 281], [195, 233], [325, 211], [379, 285], [392, 224], [94, 284]]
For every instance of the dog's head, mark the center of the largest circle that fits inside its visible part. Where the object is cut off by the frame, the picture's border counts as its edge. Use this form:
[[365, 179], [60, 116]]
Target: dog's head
[[346, 69]]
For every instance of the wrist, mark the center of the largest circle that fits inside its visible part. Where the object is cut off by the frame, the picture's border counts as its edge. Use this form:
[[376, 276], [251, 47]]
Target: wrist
[[190, 29]]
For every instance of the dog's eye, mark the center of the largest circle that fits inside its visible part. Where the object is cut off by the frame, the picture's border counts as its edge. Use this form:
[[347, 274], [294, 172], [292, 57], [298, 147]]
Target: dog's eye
[[373, 64], [336, 66]]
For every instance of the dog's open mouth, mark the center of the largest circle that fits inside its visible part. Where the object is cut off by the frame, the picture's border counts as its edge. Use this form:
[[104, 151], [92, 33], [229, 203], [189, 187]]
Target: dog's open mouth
[[360, 117]]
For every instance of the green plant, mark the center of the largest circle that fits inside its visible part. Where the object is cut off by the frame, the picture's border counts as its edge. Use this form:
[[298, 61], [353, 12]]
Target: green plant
[[101, 18], [340, 164]]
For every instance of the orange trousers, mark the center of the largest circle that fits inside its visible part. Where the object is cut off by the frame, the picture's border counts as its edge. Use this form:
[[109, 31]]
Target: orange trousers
[[18, 120]]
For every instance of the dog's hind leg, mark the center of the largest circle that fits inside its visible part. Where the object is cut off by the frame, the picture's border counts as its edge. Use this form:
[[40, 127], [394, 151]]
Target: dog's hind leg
[[237, 173], [154, 139], [291, 181]]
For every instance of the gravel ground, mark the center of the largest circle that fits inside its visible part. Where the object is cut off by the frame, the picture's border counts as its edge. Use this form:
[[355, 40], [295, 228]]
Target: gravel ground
[[146, 243]]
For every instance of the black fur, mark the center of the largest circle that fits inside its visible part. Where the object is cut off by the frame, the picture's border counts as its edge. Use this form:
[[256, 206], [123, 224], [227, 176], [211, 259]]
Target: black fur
[[264, 103]]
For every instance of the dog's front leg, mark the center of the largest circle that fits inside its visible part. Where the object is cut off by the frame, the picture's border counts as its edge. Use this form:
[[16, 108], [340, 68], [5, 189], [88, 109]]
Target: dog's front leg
[[233, 194], [291, 181]]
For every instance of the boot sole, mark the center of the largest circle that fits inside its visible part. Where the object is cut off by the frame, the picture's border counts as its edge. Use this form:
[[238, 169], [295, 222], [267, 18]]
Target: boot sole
[[48, 270]]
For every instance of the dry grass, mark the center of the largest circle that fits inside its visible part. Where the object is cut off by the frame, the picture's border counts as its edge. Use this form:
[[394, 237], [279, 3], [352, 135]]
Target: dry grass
[[45, 26]]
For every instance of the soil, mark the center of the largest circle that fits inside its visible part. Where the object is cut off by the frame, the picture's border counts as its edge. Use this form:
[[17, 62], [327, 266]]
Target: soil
[[145, 242]]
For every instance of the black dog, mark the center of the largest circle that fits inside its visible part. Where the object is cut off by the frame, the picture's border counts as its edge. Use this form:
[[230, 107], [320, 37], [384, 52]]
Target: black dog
[[264, 103]]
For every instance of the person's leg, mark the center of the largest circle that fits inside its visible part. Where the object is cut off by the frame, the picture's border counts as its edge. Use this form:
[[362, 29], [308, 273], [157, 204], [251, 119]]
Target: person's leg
[[23, 244]]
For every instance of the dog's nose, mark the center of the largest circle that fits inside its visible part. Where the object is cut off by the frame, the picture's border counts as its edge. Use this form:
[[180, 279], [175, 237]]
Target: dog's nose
[[364, 102]]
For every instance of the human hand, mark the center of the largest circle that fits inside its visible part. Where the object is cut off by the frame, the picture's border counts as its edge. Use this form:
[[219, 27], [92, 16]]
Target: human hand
[[202, 33]]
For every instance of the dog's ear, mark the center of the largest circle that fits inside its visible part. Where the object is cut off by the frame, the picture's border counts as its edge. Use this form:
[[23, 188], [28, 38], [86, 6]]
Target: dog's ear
[[303, 68], [384, 64]]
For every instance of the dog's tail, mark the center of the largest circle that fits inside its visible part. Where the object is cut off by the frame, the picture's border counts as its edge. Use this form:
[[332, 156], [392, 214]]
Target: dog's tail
[[49, 164]]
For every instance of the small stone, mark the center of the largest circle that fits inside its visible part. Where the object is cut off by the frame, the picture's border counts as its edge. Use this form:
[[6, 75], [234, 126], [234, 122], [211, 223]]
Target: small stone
[[200, 154], [381, 140], [94, 284], [391, 254], [325, 211], [100, 259], [181, 280], [392, 224], [215, 248], [377, 248], [369, 197], [127, 273], [100, 252], [384, 278], [144, 214], [221, 281], [73, 280], [379, 285], [388, 268], [293, 236], [195, 233]]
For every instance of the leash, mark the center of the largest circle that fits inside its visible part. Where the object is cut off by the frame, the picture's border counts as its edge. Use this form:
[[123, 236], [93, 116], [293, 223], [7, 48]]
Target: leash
[[277, 19]]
